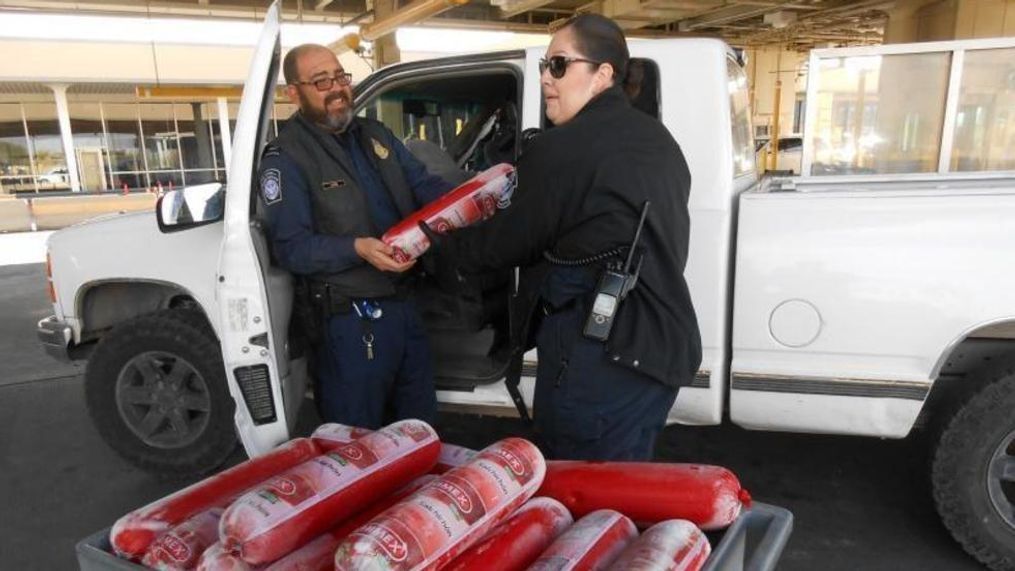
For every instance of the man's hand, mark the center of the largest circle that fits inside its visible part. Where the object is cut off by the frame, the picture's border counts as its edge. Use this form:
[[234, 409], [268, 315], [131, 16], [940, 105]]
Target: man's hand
[[378, 254]]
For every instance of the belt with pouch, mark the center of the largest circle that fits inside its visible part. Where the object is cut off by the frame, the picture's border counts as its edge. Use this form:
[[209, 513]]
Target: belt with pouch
[[328, 300]]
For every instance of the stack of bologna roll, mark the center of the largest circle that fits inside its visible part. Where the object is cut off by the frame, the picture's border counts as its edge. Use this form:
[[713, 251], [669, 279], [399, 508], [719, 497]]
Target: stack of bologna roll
[[398, 499]]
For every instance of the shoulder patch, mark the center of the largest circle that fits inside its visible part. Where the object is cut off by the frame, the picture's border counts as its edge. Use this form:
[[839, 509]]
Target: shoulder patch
[[271, 186]]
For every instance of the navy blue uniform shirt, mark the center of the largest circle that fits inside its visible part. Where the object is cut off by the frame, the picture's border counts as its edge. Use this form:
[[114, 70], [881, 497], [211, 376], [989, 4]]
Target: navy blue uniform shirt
[[297, 247]]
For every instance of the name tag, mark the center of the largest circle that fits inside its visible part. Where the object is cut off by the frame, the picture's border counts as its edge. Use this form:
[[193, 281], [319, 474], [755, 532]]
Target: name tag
[[330, 184]]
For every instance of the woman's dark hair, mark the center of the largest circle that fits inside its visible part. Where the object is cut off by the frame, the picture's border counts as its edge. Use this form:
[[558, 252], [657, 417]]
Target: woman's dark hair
[[601, 39]]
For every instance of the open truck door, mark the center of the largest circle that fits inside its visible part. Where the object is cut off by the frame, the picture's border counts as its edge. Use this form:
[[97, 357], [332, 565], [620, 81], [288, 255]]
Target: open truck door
[[255, 299]]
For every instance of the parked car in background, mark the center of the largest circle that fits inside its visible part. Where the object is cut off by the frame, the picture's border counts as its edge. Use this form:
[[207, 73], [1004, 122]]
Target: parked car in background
[[57, 178]]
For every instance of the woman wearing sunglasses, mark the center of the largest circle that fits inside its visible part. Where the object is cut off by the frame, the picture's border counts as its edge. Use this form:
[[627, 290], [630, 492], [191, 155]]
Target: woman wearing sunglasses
[[582, 186]]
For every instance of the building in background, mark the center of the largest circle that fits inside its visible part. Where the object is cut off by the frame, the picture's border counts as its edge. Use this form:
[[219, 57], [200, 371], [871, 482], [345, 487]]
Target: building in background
[[80, 112]]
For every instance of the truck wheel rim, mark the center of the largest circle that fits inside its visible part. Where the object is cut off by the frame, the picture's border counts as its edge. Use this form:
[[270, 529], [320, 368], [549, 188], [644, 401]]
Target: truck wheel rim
[[1001, 479], [163, 399]]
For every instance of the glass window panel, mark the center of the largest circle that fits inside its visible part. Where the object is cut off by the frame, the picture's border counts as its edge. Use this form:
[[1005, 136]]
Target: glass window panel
[[167, 180], [195, 141], [46, 146], [15, 164], [160, 143], [985, 118], [124, 143], [89, 146], [740, 120], [879, 114]]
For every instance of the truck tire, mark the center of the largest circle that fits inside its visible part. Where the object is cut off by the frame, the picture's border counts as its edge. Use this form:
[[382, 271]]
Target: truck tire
[[156, 391], [973, 472]]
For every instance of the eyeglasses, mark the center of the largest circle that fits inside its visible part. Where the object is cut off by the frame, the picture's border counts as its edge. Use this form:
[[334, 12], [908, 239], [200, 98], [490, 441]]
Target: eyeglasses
[[325, 83], [558, 64]]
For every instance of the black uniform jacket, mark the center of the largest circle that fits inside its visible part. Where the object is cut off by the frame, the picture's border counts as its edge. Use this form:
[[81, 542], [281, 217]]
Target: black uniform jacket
[[580, 190]]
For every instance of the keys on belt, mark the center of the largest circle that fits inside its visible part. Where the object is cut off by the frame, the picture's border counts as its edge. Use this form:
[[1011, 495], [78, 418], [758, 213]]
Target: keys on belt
[[368, 312]]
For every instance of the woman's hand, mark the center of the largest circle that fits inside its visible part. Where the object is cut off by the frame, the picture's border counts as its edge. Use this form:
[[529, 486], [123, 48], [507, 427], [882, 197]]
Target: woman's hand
[[379, 255]]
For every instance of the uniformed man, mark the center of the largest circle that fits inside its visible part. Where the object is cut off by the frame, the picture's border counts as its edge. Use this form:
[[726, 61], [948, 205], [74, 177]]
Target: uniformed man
[[331, 184]]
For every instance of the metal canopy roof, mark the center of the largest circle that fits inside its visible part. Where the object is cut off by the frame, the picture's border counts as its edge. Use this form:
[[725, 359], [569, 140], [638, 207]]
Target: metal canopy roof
[[795, 24]]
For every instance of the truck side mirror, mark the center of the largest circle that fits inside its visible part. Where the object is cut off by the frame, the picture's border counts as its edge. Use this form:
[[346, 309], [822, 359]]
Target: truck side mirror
[[190, 207]]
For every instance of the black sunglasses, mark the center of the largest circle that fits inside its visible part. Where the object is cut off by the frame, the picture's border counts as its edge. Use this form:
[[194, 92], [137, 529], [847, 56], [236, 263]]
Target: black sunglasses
[[558, 64], [325, 83]]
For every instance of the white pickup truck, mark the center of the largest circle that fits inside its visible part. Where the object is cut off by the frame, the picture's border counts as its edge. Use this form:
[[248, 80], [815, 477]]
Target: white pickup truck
[[855, 303]]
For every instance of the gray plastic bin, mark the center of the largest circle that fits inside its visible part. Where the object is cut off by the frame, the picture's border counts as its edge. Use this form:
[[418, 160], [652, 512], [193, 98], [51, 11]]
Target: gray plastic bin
[[753, 543]]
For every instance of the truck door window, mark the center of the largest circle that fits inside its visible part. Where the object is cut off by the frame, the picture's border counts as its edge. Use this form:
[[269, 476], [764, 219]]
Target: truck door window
[[642, 85], [985, 120], [740, 119], [879, 114], [465, 122]]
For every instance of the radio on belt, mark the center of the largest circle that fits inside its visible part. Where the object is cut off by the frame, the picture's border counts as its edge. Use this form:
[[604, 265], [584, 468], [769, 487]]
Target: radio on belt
[[613, 287]]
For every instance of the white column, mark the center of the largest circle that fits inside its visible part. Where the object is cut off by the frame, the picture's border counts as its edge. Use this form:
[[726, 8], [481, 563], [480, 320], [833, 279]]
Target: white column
[[227, 137], [63, 114]]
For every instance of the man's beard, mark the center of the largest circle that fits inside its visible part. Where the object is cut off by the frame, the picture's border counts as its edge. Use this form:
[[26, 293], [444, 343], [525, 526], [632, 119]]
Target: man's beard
[[337, 123]]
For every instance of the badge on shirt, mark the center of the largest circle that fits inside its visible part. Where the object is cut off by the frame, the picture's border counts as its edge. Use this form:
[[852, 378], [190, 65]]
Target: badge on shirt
[[271, 186], [379, 149]]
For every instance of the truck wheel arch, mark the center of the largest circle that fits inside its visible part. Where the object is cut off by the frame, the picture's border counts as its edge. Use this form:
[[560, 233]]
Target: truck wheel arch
[[101, 305], [960, 370]]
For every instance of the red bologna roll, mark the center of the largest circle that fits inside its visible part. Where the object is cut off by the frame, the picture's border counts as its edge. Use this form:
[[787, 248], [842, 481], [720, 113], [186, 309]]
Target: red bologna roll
[[674, 545], [332, 435], [299, 504], [516, 543], [593, 542], [133, 533], [319, 554], [182, 546], [474, 200], [218, 558], [435, 524], [708, 496], [452, 457]]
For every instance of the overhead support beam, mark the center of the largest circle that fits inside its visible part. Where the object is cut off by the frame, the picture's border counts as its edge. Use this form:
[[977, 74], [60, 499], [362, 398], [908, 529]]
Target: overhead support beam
[[635, 14], [724, 16], [347, 43], [321, 5], [511, 8], [411, 14], [775, 4]]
